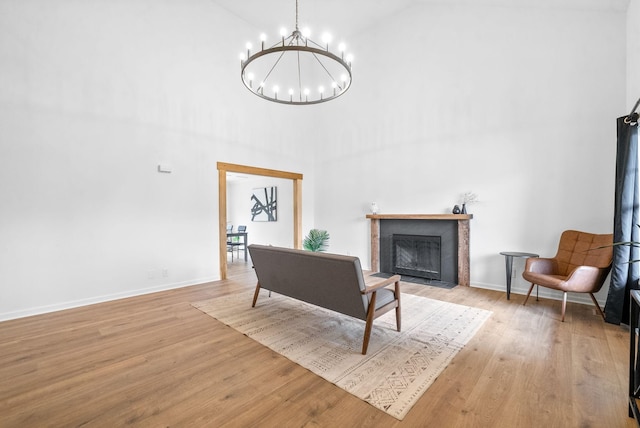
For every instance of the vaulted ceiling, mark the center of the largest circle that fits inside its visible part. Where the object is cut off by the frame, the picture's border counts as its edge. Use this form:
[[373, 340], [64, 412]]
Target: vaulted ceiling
[[349, 17]]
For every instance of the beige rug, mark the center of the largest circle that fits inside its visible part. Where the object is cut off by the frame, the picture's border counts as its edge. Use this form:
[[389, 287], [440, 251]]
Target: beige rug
[[398, 367]]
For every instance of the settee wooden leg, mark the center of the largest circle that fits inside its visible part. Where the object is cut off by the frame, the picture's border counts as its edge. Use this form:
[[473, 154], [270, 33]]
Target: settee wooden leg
[[367, 328], [367, 336], [255, 295], [564, 304], [528, 294], [398, 313], [595, 302]]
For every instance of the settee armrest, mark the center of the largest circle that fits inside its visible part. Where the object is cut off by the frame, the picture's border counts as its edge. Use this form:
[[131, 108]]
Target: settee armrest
[[373, 283]]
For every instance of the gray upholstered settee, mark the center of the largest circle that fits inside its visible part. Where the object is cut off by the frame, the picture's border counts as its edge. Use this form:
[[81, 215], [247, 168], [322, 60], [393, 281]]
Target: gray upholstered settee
[[332, 281]]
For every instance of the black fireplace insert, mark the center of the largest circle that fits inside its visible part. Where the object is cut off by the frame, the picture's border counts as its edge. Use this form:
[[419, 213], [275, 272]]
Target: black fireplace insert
[[417, 255]]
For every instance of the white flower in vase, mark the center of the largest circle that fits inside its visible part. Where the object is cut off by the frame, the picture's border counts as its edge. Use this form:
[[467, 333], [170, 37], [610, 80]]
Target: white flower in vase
[[468, 198]]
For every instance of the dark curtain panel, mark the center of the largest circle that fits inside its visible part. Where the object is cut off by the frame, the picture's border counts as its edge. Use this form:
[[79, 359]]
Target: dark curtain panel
[[624, 275]]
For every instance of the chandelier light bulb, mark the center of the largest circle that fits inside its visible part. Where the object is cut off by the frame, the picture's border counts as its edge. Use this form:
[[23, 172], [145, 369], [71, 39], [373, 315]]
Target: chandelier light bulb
[[283, 32], [290, 91], [321, 89], [263, 37], [349, 58], [342, 47], [326, 39], [306, 32], [242, 57], [249, 45]]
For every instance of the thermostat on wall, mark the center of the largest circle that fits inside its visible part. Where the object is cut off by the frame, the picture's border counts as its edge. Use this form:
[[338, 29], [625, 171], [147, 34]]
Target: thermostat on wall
[[164, 167]]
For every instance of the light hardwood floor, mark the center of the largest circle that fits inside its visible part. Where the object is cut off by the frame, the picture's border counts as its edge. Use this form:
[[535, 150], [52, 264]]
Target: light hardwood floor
[[155, 361]]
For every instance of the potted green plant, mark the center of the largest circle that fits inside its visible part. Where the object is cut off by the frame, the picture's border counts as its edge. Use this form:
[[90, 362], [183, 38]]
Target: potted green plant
[[316, 240]]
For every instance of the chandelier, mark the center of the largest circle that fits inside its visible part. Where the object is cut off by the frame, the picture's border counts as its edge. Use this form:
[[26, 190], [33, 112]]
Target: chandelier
[[296, 70]]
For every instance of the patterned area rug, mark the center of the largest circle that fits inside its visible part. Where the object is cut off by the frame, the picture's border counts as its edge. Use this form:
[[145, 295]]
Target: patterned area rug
[[398, 367]]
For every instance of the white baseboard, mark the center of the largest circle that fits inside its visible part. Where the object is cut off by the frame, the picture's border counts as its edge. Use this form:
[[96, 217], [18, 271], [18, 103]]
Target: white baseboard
[[582, 298], [546, 293], [99, 299]]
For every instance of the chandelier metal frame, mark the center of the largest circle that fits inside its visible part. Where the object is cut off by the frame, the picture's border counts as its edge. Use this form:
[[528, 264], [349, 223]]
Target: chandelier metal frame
[[297, 44]]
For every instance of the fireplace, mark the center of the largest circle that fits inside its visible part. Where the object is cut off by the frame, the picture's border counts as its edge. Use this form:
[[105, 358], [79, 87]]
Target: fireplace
[[452, 231], [416, 256], [420, 237]]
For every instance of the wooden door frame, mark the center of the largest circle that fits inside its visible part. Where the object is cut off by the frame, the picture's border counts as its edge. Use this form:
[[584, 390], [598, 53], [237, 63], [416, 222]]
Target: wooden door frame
[[223, 168]]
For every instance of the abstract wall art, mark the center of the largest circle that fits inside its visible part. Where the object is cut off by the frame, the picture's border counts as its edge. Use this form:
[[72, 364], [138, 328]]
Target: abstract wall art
[[264, 202]]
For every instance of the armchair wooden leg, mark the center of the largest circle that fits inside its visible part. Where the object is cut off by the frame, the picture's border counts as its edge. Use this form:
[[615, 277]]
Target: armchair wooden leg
[[528, 294], [595, 302], [564, 304]]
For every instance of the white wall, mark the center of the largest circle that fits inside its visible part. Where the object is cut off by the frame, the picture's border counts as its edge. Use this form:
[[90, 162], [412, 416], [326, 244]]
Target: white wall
[[633, 53], [93, 95], [517, 104]]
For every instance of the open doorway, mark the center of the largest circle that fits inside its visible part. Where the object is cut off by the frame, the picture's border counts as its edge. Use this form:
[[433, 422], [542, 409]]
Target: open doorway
[[223, 168]]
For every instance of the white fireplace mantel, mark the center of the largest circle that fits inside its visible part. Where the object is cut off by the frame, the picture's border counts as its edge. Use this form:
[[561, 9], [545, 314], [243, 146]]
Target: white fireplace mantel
[[463, 238]]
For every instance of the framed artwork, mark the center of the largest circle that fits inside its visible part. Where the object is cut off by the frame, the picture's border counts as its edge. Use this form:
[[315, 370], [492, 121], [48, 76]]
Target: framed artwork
[[264, 206]]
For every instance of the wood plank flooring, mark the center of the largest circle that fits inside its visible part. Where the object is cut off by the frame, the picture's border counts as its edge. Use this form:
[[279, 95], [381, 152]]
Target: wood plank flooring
[[154, 360]]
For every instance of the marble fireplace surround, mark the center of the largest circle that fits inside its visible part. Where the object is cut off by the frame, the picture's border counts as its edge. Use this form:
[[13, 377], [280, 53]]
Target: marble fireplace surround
[[461, 221]]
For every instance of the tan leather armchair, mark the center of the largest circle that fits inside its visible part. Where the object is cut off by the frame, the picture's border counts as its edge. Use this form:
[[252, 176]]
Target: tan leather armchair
[[581, 265]]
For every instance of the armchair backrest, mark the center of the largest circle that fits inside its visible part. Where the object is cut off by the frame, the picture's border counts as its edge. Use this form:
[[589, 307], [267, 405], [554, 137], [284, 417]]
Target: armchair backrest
[[583, 249]]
